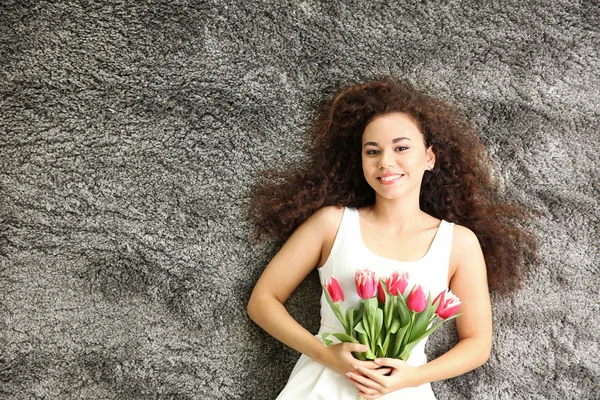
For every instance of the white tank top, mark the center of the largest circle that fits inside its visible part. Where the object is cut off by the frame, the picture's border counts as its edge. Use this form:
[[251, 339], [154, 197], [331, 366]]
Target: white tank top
[[350, 253]]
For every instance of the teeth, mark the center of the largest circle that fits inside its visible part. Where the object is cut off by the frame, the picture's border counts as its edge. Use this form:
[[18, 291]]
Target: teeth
[[390, 178]]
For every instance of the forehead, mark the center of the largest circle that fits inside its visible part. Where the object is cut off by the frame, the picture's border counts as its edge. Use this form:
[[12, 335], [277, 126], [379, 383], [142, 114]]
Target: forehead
[[389, 126]]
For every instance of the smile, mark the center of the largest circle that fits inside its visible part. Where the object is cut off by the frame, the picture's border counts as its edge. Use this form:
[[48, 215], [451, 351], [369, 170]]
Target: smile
[[389, 179]]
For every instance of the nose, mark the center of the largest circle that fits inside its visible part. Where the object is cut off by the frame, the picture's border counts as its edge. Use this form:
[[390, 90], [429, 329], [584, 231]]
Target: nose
[[386, 160]]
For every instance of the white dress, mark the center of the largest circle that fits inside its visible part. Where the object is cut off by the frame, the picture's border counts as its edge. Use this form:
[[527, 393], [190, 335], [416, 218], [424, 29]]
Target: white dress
[[312, 381]]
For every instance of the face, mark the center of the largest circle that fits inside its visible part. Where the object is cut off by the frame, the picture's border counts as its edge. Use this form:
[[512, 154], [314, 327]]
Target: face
[[394, 157]]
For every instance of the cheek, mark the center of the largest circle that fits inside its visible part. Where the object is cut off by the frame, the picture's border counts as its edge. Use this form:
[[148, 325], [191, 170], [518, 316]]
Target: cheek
[[417, 162], [365, 162], [368, 165], [365, 169]]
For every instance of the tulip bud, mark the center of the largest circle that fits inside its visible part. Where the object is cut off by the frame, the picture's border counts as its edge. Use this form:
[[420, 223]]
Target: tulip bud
[[448, 306], [416, 299], [397, 283], [366, 283], [334, 290], [380, 293]]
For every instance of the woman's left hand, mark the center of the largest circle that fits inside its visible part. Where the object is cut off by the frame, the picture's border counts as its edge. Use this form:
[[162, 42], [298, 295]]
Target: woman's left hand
[[372, 385]]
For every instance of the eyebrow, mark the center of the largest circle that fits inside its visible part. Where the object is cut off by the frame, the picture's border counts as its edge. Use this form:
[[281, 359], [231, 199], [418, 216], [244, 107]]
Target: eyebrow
[[396, 140]]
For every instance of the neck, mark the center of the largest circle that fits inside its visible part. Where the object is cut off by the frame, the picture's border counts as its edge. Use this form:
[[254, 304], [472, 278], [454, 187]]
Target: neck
[[404, 213]]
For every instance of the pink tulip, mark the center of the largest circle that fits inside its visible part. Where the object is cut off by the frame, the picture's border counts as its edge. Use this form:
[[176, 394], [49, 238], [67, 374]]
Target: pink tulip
[[334, 290], [366, 283], [380, 293], [448, 306], [416, 299], [397, 283]]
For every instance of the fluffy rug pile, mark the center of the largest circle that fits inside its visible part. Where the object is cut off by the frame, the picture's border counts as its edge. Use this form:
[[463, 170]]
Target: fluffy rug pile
[[132, 132]]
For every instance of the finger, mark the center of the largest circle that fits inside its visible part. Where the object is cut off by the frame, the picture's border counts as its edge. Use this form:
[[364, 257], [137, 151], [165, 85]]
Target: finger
[[355, 347], [369, 373], [389, 362], [363, 380], [383, 370], [366, 364], [370, 396], [362, 388]]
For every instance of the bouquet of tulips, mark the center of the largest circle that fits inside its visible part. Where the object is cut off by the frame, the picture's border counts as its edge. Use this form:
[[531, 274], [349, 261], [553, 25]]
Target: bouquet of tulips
[[387, 321]]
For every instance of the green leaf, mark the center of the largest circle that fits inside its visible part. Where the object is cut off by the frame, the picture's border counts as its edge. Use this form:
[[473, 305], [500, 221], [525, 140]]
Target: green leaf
[[360, 328], [378, 321], [409, 347], [403, 311], [430, 308], [420, 325], [379, 350], [326, 341], [435, 327], [398, 340], [357, 319], [335, 308], [357, 315], [384, 286], [407, 334], [363, 339], [408, 350], [388, 308], [386, 345], [340, 316], [350, 312], [370, 319], [369, 354], [395, 326], [342, 337]]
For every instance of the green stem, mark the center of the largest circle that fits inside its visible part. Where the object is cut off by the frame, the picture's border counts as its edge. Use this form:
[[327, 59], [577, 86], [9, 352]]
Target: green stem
[[409, 333]]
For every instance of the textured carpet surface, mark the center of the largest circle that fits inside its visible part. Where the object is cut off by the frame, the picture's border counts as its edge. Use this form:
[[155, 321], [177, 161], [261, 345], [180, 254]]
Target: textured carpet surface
[[131, 133]]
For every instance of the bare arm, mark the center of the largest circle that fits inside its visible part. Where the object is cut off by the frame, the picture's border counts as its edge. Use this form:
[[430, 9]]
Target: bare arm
[[298, 256], [469, 282]]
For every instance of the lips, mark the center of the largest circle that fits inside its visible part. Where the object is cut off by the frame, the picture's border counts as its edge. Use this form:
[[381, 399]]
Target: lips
[[389, 179]]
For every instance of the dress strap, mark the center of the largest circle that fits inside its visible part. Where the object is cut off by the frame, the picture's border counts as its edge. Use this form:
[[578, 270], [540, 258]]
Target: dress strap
[[442, 245], [342, 238], [353, 226]]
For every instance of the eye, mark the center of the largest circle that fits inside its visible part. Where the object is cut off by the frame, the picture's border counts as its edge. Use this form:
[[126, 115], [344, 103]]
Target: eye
[[401, 148], [372, 152]]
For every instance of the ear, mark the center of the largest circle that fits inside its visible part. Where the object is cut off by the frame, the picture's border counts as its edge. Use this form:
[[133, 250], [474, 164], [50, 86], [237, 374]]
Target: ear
[[430, 158]]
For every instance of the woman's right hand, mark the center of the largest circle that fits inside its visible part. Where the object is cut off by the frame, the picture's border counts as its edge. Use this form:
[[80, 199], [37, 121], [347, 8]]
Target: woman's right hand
[[339, 358]]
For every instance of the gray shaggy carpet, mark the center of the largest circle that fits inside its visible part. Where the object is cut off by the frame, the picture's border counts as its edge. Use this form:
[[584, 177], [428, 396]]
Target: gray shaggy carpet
[[131, 133]]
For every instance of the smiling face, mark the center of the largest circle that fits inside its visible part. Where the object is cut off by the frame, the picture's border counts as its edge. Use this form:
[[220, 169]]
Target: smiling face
[[394, 157]]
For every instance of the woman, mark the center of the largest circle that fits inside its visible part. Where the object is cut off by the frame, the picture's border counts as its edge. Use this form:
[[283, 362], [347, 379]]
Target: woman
[[399, 181]]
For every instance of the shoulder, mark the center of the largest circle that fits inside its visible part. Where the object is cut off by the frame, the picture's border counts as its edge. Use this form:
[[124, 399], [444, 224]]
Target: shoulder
[[464, 239], [466, 250], [326, 218], [326, 223], [320, 226]]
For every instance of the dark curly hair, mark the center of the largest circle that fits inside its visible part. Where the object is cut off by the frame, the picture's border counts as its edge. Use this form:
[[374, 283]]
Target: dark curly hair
[[460, 188]]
